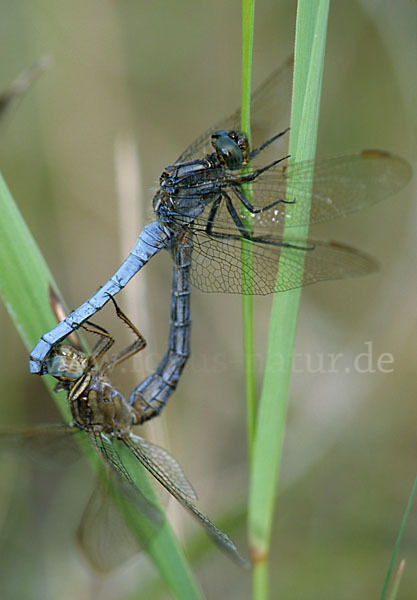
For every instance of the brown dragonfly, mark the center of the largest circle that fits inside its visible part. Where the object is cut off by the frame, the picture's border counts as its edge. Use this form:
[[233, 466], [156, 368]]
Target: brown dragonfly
[[101, 414]]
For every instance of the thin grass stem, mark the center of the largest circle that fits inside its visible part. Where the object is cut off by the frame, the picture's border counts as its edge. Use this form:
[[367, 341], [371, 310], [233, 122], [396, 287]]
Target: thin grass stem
[[398, 541], [270, 428], [248, 18]]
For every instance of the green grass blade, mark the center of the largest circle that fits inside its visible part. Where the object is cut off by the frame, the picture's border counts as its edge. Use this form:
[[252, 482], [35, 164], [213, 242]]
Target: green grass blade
[[24, 287], [25, 278], [309, 58], [248, 18], [398, 541], [397, 581]]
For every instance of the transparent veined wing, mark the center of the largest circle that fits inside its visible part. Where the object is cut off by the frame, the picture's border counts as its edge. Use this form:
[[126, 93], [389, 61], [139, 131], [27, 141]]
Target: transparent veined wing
[[102, 444], [103, 535], [339, 185], [170, 466], [218, 264], [157, 465], [50, 445]]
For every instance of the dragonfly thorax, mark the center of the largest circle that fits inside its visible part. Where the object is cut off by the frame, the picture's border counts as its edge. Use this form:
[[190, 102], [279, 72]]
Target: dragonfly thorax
[[185, 192], [185, 189], [101, 407]]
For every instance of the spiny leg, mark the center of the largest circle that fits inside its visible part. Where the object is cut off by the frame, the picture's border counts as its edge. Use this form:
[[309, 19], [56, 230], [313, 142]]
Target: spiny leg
[[257, 151], [254, 174], [247, 235], [132, 349], [103, 345], [236, 219], [232, 211], [212, 214], [254, 211]]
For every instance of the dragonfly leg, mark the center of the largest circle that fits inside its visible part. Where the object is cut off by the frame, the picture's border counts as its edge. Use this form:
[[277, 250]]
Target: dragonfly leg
[[255, 174], [132, 349], [237, 220], [257, 151], [149, 398], [103, 345], [250, 207], [232, 211], [212, 214], [151, 240], [246, 234]]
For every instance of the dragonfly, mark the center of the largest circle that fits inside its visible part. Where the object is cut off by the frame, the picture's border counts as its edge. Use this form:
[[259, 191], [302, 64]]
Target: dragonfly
[[201, 206], [106, 419]]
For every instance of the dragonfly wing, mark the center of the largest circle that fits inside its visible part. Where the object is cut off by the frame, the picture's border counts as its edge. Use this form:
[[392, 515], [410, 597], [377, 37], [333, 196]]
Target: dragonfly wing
[[146, 454], [338, 186], [218, 263], [103, 536], [166, 464], [106, 451], [270, 114], [50, 445]]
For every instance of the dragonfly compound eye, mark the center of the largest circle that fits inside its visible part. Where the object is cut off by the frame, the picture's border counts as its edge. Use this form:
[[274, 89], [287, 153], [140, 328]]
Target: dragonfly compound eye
[[66, 363], [227, 150]]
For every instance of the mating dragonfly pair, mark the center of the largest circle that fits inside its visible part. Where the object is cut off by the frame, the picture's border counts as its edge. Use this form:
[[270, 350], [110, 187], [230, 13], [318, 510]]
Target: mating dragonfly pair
[[201, 208]]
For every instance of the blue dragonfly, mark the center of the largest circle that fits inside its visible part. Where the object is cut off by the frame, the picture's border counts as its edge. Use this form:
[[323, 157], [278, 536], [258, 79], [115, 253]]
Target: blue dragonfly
[[101, 414], [200, 207]]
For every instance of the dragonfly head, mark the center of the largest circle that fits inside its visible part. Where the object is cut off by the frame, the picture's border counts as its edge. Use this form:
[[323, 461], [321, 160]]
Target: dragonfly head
[[66, 364], [232, 148]]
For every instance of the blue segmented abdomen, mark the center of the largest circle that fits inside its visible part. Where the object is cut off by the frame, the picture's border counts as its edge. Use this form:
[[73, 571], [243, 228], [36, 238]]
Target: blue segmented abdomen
[[149, 398], [152, 239]]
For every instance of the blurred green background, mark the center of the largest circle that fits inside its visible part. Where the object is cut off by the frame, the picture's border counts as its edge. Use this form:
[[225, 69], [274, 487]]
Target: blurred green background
[[132, 83]]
